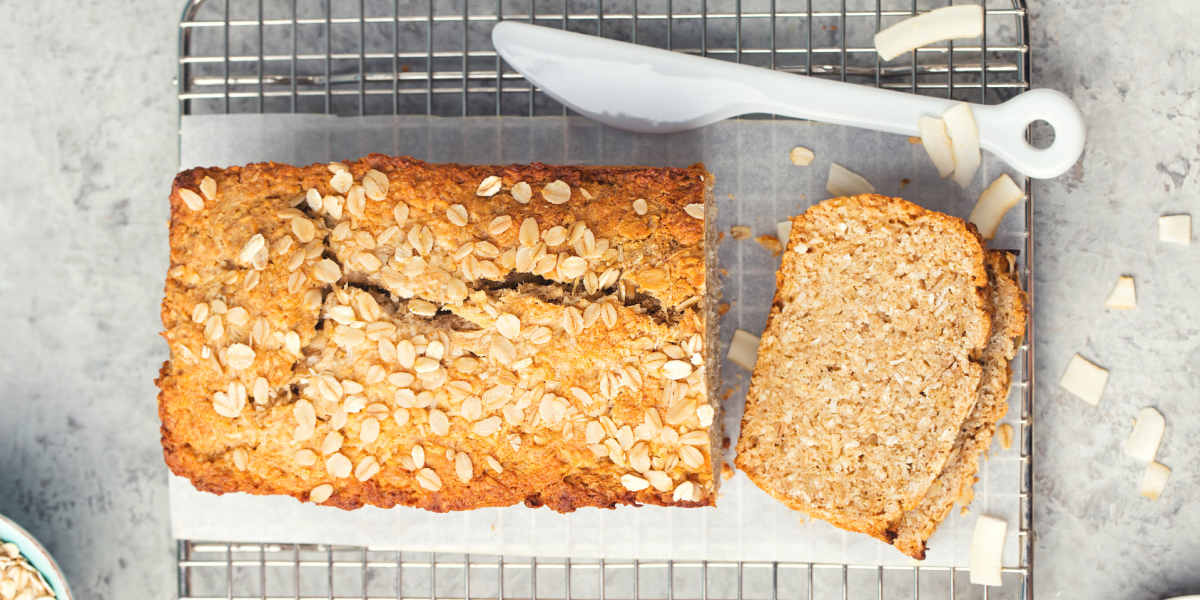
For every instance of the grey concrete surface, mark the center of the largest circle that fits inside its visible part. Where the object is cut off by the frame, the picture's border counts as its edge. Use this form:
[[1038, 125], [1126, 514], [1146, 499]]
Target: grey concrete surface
[[88, 149], [87, 146], [1132, 69]]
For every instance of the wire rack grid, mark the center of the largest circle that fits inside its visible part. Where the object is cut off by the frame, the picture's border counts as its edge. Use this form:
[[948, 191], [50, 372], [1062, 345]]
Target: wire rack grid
[[434, 57]]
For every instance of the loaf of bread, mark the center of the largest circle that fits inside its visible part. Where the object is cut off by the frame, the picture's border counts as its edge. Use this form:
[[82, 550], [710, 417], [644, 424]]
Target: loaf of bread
[[395, 333], [1009, 314], [870, 361]]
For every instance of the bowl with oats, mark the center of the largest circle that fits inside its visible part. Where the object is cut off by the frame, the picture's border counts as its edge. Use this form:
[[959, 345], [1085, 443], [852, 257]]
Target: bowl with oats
[[27, 571]]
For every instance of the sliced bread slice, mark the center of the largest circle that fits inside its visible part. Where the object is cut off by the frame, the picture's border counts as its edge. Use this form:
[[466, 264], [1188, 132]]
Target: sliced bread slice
[[868, 365], [954, 483]]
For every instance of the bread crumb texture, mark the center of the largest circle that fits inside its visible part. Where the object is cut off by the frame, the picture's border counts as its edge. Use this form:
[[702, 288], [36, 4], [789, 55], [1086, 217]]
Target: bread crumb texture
[[448, 337], [869, 363], [953, 485]]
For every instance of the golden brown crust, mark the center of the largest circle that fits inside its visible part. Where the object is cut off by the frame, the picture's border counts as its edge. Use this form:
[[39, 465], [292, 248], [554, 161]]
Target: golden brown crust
[[842, 422], [953, 484], [281, 346]]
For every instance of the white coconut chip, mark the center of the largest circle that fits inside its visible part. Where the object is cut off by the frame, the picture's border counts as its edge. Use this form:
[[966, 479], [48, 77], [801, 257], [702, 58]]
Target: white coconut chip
[[743, 350], [1154, 480], [1176, 229], [960, 126], [987, 548], [993, 204], [844, 182], [964, 21], [1123, 295], [783, 231], [1084, 380], [937, 144], [1147, 434]]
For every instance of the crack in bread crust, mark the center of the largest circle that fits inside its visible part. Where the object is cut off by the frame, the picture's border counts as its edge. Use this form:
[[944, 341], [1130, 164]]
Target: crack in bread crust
[[374, 314]]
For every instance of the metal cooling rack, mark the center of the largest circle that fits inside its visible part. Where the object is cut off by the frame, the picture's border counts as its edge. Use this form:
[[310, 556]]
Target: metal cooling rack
[[434, 57]]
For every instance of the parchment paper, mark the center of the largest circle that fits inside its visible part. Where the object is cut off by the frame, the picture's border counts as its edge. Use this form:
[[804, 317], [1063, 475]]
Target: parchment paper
[[756, 185]]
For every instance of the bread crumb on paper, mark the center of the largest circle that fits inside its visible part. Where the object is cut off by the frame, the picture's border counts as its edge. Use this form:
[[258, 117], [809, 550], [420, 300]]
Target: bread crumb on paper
[[771, 243], [726, 471]]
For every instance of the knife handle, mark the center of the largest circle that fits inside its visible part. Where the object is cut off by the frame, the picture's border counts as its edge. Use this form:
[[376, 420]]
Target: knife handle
[[1001, 127]]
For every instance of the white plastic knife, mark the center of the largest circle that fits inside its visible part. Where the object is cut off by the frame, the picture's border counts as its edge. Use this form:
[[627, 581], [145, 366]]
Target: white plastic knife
[[649, 90]]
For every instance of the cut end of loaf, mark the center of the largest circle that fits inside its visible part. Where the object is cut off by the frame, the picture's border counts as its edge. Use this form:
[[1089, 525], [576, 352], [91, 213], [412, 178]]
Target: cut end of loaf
[[953, 484], [868, 365], [712, 333]]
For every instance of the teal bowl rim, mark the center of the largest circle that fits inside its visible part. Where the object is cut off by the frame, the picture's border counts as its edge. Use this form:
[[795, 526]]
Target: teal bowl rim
[[36, 554]]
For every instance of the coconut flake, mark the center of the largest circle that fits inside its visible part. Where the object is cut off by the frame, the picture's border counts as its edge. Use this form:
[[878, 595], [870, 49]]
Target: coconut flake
[[743, 350], [1147, 434], [783, 230], [937, 144], [1155, 480], [992, 205], [949, 23], [987, 547], [1123, 295], [844, 182], [1176, 229], [964, 136], [1084, 379]]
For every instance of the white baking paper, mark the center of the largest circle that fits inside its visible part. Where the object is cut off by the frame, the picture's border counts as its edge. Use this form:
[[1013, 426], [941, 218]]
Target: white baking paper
[[757, 186]]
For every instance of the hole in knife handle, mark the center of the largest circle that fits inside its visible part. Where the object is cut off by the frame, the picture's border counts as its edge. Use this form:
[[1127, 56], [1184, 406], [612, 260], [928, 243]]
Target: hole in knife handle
[[1040, 134]]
